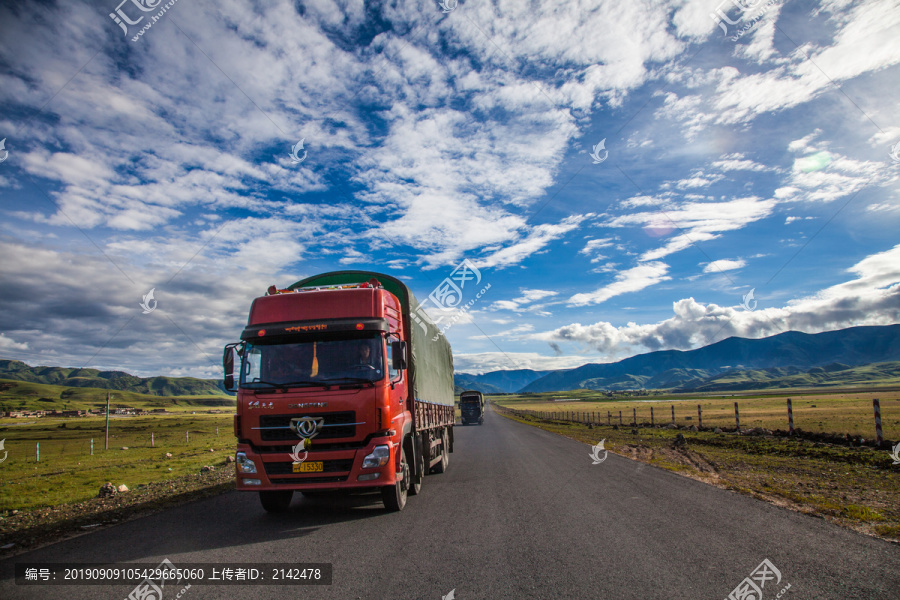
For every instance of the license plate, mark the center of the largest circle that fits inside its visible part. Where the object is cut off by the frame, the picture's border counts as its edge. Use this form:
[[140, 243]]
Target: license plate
[[309, 467]]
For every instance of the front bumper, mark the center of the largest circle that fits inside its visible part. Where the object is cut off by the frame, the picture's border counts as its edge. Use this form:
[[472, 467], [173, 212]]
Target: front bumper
[[342, 469]]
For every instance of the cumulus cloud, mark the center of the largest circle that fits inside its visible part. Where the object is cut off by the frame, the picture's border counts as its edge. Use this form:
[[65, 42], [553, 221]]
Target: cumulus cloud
[[871, 298], [485, 362]]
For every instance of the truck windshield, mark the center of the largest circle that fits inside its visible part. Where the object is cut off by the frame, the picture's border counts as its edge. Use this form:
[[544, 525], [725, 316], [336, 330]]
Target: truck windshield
[[313, 363]]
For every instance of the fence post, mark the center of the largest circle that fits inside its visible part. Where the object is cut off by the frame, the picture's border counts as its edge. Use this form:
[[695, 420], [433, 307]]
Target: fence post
[[879, 438], [673, 413], [620, 418], [634, 416], [151, 439], [92, 446], [608, 418], [790, 417], [187, 437], [217, 432], [737, 417], [699, 417], [37, 452], [651, 417]]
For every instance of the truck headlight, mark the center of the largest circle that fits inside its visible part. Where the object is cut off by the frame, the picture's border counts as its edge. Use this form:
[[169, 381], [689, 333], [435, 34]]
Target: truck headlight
[[379, 457], [244, 464]]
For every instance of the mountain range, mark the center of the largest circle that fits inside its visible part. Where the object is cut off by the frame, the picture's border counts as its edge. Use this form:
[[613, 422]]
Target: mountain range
[[741, 362], [110, 380]]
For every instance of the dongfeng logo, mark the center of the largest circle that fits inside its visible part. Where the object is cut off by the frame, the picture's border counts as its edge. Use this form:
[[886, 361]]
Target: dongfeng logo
[[295, 158], [595, 455], [5, 452], [596, 153], [895, 454], [448, 5], [747, 298], [4, 154], [450, 596], [307, 427], [145, 304]]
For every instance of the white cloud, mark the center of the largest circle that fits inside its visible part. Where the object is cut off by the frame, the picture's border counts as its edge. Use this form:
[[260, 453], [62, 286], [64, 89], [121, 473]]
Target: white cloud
[[631, 280], [724, 264], [872, 298], [484, 362], [696, 222]]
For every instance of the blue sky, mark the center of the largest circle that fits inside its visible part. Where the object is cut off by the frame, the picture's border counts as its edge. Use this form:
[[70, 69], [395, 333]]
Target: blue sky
[[758, 160]]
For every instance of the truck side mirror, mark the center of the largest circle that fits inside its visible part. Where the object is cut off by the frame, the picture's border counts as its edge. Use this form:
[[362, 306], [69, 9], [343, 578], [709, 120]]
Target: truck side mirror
[[228, 364], [398, 355]]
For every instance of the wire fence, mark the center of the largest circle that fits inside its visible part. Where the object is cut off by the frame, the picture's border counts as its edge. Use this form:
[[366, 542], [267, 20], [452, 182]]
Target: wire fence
[[751, 418], [89, 443]]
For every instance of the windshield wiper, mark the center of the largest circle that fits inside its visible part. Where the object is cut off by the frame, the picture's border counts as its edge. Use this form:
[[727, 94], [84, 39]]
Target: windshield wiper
[[351, 380], [282, 386]]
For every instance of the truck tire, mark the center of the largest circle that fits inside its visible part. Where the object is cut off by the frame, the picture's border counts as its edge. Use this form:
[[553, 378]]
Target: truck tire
[[276, 501], [417, 480], [445, 454], [394, 496]]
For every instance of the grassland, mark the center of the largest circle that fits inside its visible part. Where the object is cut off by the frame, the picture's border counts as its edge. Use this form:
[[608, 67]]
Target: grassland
[[844, 412], [28, 396], [67, 472]]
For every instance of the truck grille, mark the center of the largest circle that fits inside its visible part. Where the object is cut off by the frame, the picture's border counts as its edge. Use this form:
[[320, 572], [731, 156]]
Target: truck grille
[[328, 466], [335, 418]]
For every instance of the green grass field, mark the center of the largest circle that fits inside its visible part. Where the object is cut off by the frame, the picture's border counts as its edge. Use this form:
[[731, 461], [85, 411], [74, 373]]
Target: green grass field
[[814, 411], [68, 473], [24, 395]]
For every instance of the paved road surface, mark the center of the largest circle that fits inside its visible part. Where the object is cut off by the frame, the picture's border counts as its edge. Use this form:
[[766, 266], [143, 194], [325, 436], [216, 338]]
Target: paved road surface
[[520, 513]]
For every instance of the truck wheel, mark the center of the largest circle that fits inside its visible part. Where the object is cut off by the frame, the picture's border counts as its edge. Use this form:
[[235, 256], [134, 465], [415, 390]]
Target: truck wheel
[[416, 486], [394, 496], [276, 501], [445, 454]]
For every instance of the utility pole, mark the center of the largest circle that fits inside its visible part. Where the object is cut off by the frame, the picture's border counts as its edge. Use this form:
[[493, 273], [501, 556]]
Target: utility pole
[[106, 446]]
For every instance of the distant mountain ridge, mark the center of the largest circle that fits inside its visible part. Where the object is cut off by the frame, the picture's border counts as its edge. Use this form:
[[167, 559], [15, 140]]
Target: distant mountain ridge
[[689, 369], [111, 380], [498, 382]]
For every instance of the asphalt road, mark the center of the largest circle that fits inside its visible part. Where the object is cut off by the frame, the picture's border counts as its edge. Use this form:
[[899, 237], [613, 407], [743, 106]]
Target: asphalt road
[[520, 513]]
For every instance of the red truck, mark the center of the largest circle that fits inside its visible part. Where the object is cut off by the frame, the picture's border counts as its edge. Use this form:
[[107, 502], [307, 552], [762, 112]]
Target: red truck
[[343, 383]]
